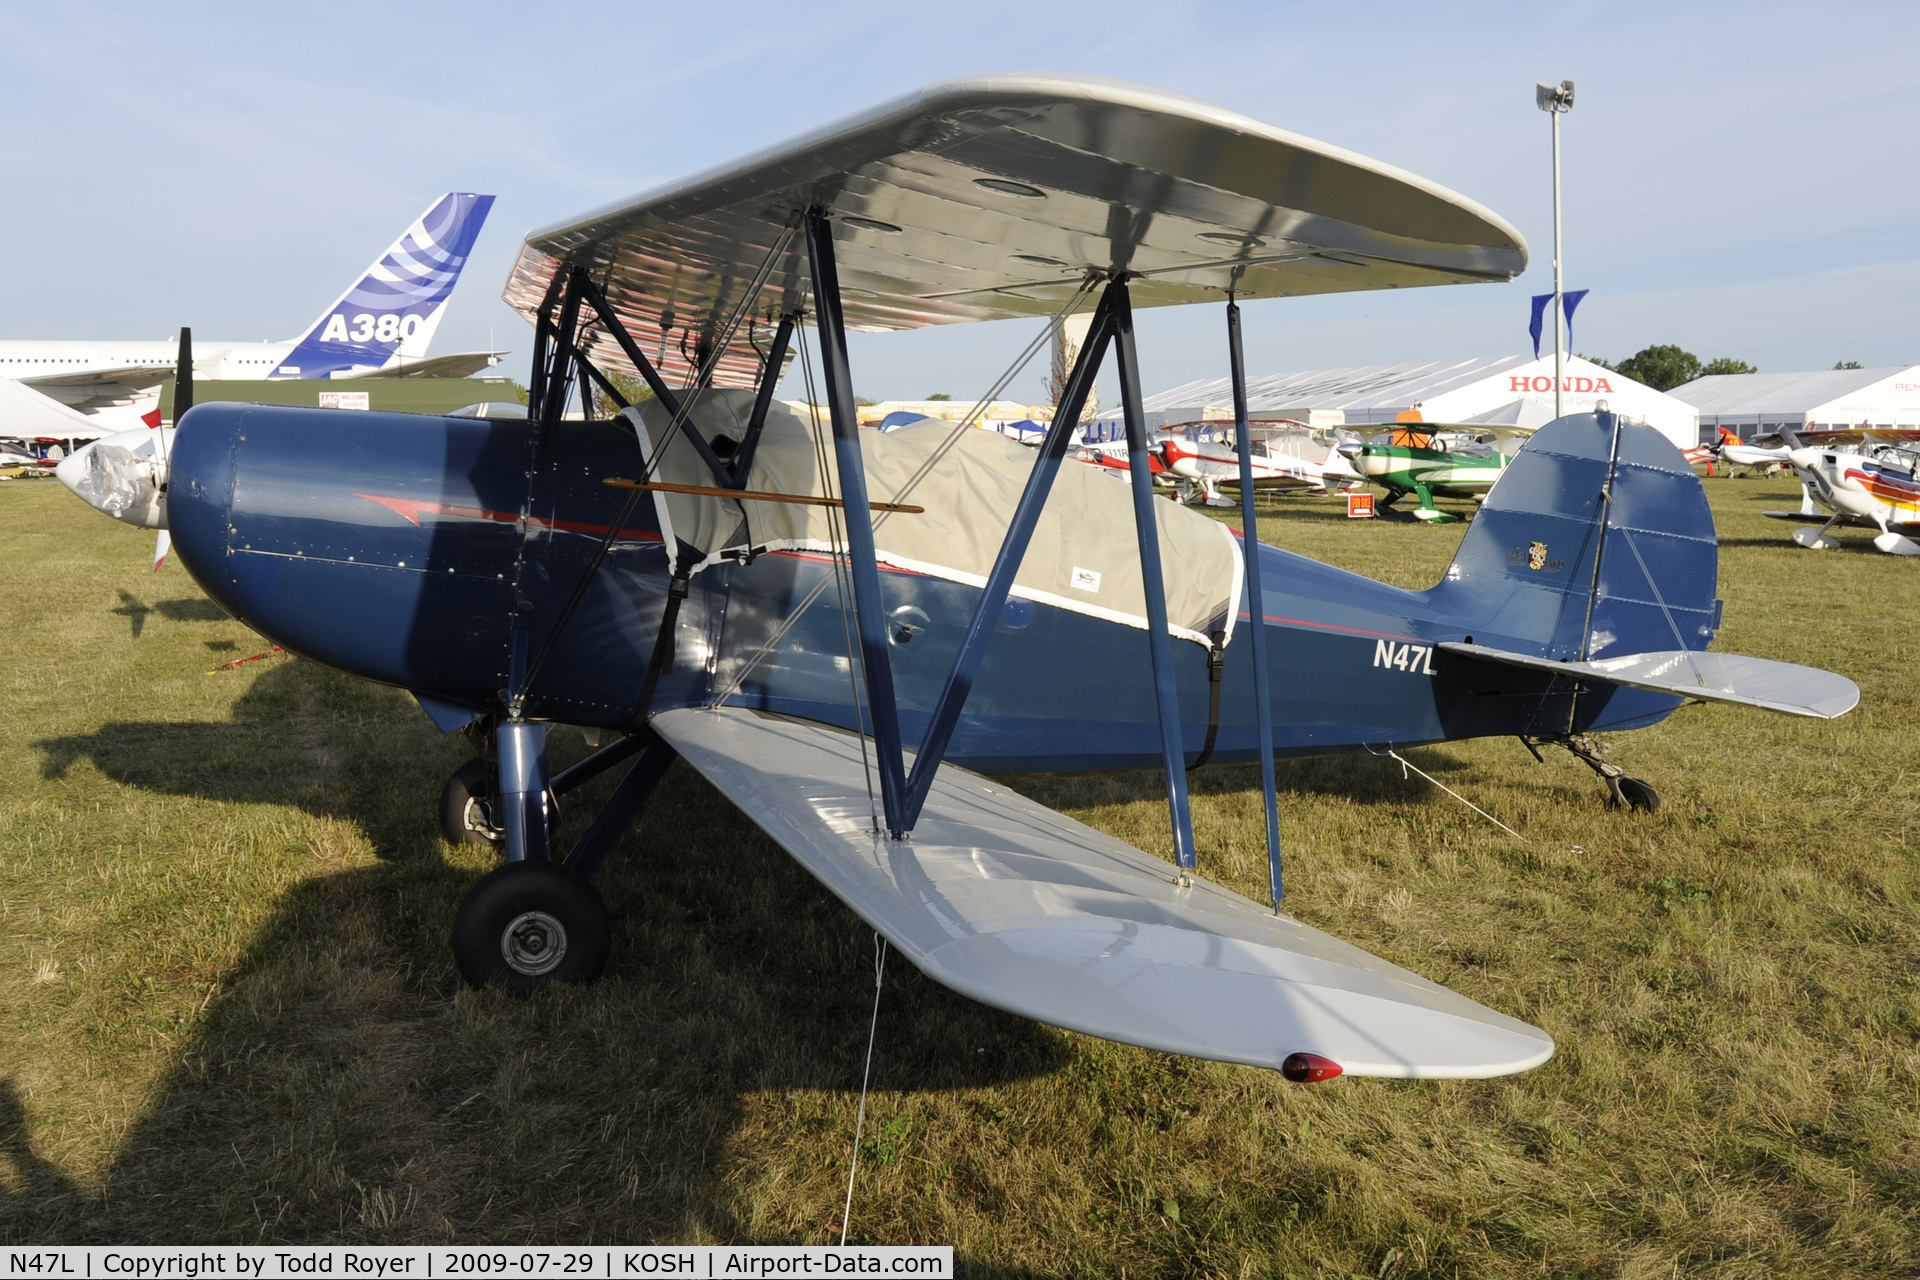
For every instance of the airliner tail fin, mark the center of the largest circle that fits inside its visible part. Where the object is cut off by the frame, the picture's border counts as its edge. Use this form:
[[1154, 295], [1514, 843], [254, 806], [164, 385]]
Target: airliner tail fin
[[391, 312]]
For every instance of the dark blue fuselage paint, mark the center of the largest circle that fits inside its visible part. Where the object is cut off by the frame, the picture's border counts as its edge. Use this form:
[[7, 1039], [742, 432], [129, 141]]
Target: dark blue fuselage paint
[[394, 546]]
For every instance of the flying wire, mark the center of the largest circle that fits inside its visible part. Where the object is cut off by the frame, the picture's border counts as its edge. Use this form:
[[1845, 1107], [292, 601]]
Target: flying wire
[[856, 665], [1012, 371]]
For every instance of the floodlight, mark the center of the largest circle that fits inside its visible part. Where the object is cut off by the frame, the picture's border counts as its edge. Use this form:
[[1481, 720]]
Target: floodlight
[[1555, 98]]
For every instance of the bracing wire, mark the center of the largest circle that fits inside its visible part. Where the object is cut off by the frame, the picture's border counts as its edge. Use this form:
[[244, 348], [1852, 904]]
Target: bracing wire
[[1661, 600], [906, 489], [1406, 764], [866, 1078], [702, 377], [650, 466], [856, 666]]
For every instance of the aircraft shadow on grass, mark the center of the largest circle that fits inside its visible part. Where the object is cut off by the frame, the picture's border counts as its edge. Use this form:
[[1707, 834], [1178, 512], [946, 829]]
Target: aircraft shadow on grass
[[342, 1085], [187, 609]]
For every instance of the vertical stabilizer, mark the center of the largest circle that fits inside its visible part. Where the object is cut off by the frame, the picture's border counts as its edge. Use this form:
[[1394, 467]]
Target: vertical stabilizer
[[389, 315], [1526, 569]]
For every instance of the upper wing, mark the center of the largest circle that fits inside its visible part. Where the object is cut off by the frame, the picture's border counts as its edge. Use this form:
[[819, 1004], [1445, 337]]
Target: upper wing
[[1022, 908], [995, 197]]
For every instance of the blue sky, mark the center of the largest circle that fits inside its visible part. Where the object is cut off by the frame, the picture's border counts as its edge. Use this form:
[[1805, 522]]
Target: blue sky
[[1739, 177]]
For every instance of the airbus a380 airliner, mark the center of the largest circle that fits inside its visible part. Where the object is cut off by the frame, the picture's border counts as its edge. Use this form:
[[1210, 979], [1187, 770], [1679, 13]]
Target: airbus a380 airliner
[[380, 327]]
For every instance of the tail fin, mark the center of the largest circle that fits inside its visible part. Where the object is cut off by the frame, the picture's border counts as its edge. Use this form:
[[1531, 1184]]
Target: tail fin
[[1525, 578], [390, 313]]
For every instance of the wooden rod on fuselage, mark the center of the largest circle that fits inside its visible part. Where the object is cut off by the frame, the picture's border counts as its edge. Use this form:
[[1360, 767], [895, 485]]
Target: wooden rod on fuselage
[[756, 495]]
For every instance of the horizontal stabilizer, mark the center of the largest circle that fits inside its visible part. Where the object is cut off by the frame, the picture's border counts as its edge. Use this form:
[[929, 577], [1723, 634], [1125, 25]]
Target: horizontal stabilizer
[[455, 364], [1022, 908], [1843, 519], [1710, 677]]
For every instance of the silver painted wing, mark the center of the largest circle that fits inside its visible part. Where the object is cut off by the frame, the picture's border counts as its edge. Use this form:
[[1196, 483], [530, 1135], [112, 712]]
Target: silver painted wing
[[1022, 908], [995, 197], [1711, 677]]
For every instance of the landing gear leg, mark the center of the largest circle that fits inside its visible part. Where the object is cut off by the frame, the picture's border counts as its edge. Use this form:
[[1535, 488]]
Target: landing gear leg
[[522, 811], [1427, 511], [537, 920], [1622, 792]]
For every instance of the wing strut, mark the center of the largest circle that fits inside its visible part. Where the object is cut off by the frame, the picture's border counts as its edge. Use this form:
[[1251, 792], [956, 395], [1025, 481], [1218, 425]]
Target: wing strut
[[1256, 610], [864, 568], [905, 795], [1026, 517], [1139, 466]]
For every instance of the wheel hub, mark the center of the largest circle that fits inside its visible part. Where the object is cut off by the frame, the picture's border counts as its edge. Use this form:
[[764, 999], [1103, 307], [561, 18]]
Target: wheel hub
[[534, 943]]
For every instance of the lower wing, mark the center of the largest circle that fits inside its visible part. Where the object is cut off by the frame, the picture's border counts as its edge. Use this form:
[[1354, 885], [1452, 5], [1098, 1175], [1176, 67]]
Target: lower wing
[[1022, 908]]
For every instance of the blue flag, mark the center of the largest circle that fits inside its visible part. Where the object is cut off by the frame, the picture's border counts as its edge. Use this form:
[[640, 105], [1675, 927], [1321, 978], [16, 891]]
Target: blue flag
[[1569, 303]]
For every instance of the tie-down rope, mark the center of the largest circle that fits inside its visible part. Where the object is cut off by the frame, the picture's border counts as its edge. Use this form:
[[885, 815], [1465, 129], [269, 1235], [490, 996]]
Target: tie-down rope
[[866, 1077]]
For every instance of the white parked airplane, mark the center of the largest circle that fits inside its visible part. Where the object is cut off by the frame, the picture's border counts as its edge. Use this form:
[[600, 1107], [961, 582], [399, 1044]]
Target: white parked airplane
[[1866, 485], [1286, 455], [379, 327]]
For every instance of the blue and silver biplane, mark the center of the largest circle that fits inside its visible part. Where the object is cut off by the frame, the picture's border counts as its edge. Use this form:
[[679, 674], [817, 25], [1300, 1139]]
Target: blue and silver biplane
[[845, 631]]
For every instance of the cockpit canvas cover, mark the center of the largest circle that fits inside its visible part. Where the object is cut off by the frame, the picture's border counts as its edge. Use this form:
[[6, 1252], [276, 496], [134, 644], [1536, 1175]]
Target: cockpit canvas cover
[[1082, 557]]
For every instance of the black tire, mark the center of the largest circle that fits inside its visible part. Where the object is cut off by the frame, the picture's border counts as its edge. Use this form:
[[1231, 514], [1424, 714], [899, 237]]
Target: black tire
[[464, 818], [528, 925], [1636, 795]]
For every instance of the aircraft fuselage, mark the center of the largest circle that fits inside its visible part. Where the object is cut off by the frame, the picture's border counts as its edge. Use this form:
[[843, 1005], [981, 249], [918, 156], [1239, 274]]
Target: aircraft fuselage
[[403, 548]]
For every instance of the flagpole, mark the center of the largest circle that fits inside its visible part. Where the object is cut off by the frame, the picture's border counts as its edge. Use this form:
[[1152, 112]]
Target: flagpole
[[1556, 100], [1559, 353]]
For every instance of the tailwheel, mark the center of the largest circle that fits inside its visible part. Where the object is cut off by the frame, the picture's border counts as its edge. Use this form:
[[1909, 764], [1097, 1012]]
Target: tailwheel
[[1634, 794], [1622, 792], [464, 814], [528, 925]]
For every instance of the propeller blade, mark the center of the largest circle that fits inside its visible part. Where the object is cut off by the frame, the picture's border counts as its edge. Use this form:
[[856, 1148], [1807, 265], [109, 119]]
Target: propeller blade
[[161, 545], [183, 377]]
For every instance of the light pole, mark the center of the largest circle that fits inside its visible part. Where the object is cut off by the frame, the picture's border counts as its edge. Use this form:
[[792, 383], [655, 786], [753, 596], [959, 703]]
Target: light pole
[[1556, 100]]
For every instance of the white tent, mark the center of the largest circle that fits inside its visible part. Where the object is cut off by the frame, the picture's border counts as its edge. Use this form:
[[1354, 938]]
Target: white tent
[[1512, 389], [1755, 403]]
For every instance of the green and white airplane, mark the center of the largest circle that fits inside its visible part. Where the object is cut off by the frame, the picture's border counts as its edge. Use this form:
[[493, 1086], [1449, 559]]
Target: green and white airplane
[[1452, 460]]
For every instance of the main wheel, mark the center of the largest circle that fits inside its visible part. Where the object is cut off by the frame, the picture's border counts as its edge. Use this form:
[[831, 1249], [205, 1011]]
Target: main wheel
[[464, 818], [529, 924], [1636, 795]]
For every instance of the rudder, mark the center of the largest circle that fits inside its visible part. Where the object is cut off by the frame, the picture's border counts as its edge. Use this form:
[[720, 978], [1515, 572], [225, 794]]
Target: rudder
[[1525, 570]]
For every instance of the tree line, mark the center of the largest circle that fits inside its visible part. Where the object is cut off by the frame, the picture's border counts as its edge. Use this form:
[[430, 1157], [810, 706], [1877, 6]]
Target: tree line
[[1666, 366]]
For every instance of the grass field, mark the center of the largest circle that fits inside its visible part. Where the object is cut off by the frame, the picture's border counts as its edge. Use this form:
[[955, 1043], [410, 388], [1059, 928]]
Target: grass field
[[227, 1010]]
